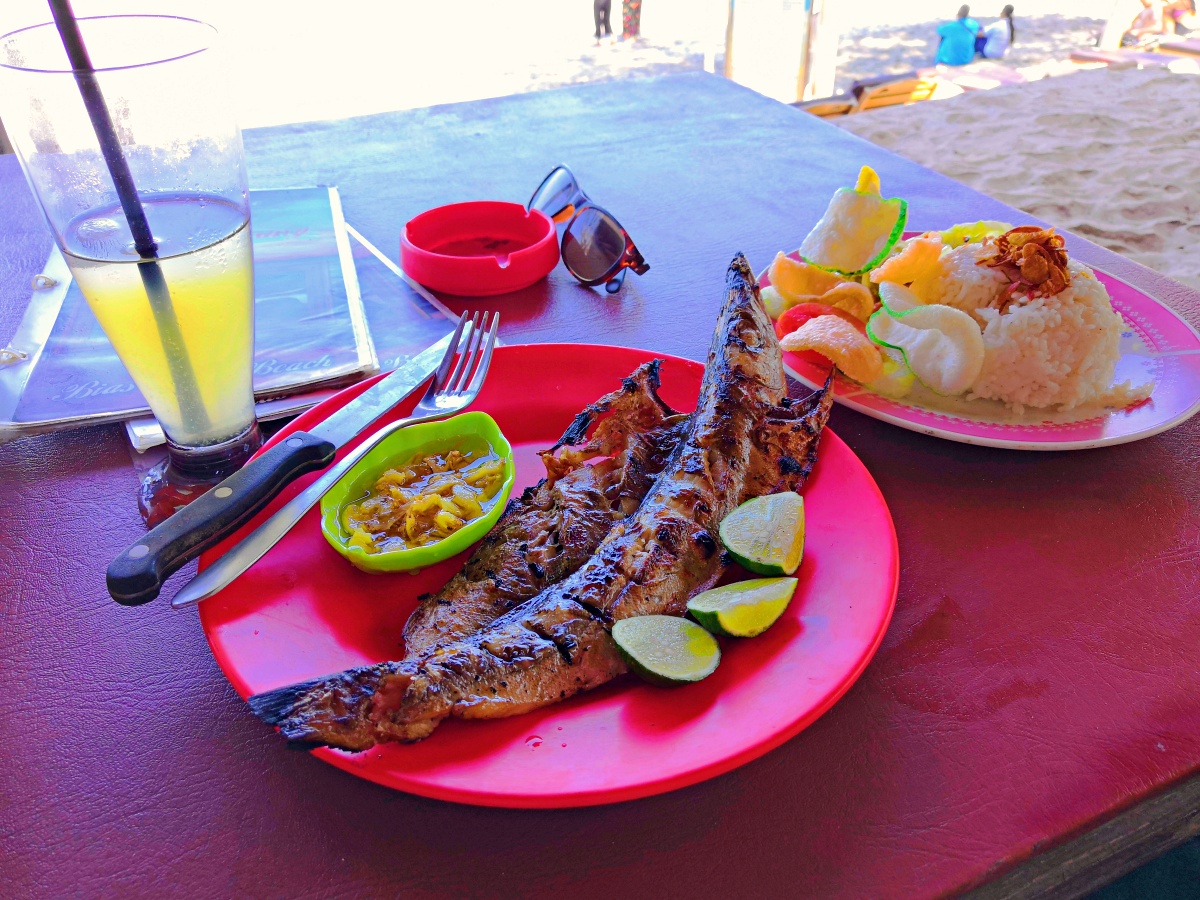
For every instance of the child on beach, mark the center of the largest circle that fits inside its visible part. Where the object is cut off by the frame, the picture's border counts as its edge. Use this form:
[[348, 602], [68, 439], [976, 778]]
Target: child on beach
[[957, 44]]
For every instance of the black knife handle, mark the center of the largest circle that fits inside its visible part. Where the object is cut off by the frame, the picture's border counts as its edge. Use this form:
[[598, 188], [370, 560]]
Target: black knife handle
[[137, 575]]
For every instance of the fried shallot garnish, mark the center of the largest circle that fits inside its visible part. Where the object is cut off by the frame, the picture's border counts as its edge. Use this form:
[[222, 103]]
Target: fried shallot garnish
[[1033, 258]]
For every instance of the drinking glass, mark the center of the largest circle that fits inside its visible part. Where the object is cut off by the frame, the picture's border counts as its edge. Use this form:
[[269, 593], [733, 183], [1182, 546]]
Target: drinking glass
[[173, 289]]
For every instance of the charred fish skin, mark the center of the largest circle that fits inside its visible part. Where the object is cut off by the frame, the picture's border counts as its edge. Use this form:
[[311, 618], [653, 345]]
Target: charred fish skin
[[524, 661], [555, 526], [638, 397], [557, 644], [668, 551]]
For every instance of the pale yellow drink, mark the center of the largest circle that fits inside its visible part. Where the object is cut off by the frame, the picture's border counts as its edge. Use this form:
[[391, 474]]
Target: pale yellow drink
[[205, 258]]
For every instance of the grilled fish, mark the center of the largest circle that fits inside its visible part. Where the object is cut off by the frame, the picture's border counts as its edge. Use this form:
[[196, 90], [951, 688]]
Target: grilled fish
[[554, 527], [743, 439]]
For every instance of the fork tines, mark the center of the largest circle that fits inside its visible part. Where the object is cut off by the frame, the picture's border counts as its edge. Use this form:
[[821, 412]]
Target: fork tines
[[474, 353]]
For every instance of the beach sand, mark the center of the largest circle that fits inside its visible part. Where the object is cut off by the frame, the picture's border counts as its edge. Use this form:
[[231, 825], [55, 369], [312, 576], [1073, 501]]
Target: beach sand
[[883, 38], [299, 62], [1110, 155]]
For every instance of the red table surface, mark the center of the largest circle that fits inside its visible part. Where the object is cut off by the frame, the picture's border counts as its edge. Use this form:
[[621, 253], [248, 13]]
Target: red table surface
[[1039, 675]]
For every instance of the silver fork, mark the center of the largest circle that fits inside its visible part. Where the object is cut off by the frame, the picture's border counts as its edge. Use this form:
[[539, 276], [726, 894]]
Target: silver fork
[[455, 386]]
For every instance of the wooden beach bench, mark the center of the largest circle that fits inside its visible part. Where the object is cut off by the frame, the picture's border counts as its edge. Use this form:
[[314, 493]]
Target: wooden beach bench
[[1138, 59], [880, 92], [826, 107], [1186, 47], [896, 93]]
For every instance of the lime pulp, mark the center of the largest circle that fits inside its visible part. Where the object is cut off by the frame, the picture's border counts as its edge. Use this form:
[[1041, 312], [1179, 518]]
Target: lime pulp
[[743, 609], [667, 650], [766, 534]]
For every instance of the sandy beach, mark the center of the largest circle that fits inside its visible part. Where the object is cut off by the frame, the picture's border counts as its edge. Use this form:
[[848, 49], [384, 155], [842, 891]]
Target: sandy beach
[[1110, 155], [304, 61], [1073, 150], [881, 38]]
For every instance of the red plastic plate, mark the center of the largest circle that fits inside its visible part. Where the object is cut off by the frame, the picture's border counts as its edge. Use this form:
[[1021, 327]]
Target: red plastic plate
[[303, 611]]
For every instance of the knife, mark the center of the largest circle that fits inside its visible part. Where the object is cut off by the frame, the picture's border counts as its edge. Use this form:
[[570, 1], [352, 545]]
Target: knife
[[137, 575]]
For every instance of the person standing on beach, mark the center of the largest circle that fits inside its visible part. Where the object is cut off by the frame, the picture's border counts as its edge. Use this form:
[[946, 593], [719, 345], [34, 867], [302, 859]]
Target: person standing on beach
[[957, 44], [1000, 35], [631, 19], [602, 11]]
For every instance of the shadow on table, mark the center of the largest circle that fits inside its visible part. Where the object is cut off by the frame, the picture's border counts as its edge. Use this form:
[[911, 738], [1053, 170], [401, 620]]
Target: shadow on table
[[1173, 876]]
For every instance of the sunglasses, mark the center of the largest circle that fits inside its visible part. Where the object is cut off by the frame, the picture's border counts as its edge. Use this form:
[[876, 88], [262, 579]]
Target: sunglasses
[[595, 248]]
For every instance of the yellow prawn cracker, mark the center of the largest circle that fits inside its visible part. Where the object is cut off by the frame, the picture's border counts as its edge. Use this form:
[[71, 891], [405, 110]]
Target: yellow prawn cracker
[[916, 262], [850, 296]]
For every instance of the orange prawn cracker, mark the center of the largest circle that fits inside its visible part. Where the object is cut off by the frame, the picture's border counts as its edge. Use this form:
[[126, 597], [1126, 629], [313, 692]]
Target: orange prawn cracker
[[917, 261], [852, 297], [839, 341], [795, 279]]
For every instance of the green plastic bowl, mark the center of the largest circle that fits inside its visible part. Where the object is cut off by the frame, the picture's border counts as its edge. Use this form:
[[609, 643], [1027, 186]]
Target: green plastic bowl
[[394, 450]]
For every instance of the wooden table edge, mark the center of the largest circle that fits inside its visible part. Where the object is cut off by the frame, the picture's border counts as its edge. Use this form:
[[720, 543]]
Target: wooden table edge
[[1102, 855]]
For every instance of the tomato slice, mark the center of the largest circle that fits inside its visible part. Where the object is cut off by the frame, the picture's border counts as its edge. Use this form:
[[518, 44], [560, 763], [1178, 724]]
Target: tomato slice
[[797, 315]]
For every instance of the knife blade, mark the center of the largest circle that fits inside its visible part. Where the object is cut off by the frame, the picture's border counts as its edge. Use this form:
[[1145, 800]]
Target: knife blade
[[137, 575]]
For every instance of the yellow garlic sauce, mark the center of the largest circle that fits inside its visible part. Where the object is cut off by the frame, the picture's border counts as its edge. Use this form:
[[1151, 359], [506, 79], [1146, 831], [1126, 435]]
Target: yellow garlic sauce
[[426, 499]]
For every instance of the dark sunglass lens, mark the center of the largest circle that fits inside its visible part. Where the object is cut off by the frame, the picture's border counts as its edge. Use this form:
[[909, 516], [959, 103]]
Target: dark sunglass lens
[[592, 245], [555, 193]]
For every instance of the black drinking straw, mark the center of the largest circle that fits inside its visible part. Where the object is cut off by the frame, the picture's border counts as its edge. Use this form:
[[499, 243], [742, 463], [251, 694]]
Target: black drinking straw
[[186, 388]]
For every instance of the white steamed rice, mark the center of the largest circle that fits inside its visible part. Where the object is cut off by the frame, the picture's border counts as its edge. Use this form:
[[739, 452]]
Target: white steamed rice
[[1048, 351], [963, 283]]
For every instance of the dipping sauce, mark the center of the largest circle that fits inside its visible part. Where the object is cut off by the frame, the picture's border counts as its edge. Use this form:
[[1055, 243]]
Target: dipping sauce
[[427, 499]]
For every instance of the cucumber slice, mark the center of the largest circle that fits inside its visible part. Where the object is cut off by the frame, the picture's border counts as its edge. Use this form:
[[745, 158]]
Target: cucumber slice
[[896, 379], [973, 232], [744, 609], [897, 298], [766, 534], [773, 302], [942, 345], [667, 650]]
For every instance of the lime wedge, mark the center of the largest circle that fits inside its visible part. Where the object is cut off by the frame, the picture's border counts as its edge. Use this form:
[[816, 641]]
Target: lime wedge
[[743, 609], [667, 650], [766, 534]]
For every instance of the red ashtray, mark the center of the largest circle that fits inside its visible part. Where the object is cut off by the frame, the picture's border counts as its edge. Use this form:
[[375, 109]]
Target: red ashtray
[[480, 248]]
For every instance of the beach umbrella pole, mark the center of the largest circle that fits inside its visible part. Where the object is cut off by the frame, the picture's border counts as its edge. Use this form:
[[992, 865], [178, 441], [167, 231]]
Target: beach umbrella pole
[[182, 374]]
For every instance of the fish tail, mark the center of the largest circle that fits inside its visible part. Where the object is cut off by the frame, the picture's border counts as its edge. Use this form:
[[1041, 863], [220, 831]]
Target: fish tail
[[739, 269], [277, 706], [330, 711], [284, 708]]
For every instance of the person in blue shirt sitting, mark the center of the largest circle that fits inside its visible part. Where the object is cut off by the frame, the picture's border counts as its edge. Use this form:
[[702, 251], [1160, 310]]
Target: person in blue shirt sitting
[[957, 45]]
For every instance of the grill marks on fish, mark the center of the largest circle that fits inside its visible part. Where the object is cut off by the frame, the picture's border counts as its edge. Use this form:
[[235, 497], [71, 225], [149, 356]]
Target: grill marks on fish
[[555, 526], [525, 660], [558, 643]]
